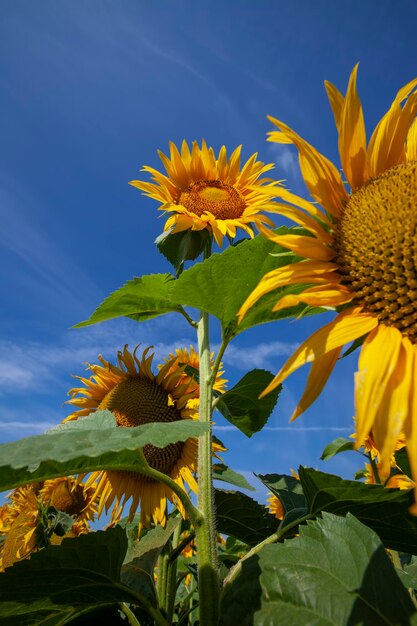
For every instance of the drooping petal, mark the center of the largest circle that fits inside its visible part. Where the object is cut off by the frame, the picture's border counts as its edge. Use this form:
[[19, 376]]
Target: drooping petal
[[377, 362], [317, 378], [347, 327], [321, 176]]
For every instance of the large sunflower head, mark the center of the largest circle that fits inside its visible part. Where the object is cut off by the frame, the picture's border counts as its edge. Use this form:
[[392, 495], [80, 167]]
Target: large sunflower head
[[27, 521], [360, 253], [201, 191], [137, 396]]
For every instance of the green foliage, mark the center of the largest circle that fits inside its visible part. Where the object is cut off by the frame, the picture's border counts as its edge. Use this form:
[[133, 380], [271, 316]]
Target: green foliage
[[184, 246], [140, 560], [403, 462], [222, 283], [336, 447], [227, 475], [287, 488], [57, 583], [383, 510], [336, 572], [87, 444], [243, 518], [141, 299], [241, 405]]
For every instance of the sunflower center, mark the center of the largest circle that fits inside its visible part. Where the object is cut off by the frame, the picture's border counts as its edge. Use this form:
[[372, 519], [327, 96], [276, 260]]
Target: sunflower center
[[212, 196], [376, 245], [137, 401]]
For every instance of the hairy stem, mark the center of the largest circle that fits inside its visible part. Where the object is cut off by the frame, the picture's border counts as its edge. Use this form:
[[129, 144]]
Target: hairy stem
[[209, 586]]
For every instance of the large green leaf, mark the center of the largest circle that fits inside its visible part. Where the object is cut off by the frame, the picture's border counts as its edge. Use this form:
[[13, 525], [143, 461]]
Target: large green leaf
[[227, 475], [140, 298], [383, 510], [243, 518], [59, 582], [221, 284], [336, 573], [90, 443], [241, 405]]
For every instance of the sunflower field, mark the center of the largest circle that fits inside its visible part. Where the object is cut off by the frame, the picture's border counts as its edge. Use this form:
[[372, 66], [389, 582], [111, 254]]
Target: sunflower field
[[137, 445]]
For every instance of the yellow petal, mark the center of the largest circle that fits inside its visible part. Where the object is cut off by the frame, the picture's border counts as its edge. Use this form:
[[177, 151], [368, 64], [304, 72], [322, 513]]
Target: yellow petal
[[336, 101], [352, 136], [412, 142], [395, 405], [321, 296], [347, 326], [320, 175], [317, 378], [386, 145], [377, 361], [309, 247]]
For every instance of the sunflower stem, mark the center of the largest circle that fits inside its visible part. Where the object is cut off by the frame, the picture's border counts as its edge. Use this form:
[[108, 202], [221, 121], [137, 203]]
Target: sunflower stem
[[171, 580], [131, 618], [208, 576], [193, 513]]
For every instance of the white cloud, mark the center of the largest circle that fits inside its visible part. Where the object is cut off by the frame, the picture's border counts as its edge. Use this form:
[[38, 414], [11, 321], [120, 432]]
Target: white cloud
[[261, 355], [34, 366]]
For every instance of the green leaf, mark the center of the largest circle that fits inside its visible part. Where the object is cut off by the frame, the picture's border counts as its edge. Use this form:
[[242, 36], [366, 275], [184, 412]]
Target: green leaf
[[138, 569], [221, 284], [140, 298], [335, 573], [60, 581], [184, 246], [287, 488], [336, 446], [243, 518], [241, 405], [383, 510], [408, 575], [83, 446], [403, 462], [224, 473]]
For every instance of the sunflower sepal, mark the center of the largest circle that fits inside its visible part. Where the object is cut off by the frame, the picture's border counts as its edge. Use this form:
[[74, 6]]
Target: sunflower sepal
[[184, 246], [338, 445]]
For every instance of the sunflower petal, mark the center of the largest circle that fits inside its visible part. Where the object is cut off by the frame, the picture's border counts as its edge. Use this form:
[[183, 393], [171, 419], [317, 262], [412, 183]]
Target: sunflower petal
[[317, 378], [352, 136], [347, 327]]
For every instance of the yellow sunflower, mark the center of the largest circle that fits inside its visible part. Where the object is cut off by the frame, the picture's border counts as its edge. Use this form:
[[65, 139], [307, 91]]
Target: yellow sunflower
[[360, 254], [24, 529], [275, 507], [136, 396], [201, 191], [184, 357]]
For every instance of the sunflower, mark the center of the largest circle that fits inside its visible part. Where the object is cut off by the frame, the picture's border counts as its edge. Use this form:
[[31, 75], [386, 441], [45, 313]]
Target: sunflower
[[184, 357], [360, 255], [136, 396], [275, 506], [201, 191], [24, 527]]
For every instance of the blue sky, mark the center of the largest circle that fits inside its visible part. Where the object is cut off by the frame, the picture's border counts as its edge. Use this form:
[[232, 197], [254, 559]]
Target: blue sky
[[88, 93]]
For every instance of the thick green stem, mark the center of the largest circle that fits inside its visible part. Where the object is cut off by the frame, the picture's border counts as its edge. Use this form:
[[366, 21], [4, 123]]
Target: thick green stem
[[208, 577]]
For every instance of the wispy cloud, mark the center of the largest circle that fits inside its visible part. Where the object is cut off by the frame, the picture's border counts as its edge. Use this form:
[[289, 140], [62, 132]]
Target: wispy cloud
[[34, 366], [262, 355]]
